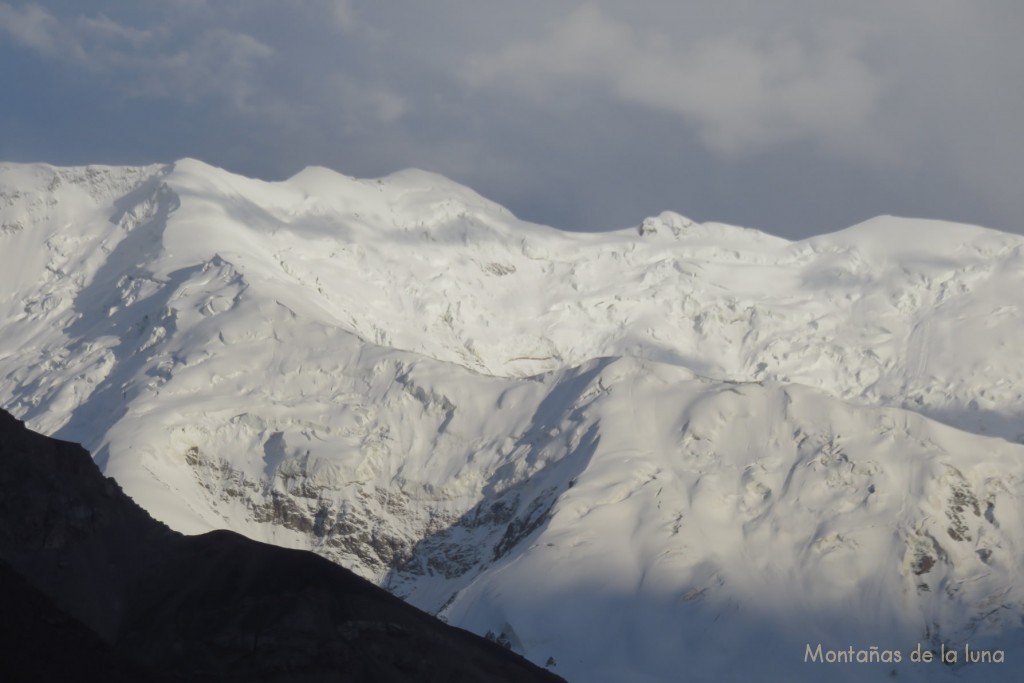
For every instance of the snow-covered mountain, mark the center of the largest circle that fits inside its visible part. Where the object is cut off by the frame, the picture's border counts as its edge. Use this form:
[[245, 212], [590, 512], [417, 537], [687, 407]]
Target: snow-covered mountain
[[679, 447]]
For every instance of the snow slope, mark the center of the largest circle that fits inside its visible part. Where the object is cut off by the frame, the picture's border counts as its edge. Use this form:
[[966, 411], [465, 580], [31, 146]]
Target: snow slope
[[678, 447]]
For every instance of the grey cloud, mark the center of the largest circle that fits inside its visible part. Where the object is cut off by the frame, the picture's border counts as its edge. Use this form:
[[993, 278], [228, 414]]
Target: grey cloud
[[102, 28], [365, 104], [794, 116], [742, 92], [147, 62], [343, 13], [218, 63]]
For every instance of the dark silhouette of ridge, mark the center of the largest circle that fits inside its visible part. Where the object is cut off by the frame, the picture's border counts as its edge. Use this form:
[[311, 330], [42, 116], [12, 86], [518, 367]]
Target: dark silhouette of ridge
[[94, 588], [40, 642]]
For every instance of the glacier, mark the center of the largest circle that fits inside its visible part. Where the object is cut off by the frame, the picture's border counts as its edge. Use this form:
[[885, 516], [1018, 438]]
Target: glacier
[[677, 447]]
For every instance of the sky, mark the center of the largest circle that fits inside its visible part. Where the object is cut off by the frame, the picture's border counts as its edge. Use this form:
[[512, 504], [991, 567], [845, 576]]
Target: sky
[[796, 117]]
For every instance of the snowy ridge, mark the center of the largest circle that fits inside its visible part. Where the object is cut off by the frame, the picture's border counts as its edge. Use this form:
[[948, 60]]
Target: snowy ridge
[[635, 453]]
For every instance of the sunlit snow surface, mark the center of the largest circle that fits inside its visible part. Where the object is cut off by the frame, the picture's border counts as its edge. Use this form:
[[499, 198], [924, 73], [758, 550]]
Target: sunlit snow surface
[[675, 452]]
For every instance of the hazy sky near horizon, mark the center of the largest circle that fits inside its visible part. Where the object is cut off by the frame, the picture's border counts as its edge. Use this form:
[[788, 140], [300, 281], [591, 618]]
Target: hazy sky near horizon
[[796, 117]]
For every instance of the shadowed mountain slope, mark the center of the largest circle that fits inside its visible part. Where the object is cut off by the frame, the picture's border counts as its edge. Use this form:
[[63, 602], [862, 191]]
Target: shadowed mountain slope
[[89, 575]]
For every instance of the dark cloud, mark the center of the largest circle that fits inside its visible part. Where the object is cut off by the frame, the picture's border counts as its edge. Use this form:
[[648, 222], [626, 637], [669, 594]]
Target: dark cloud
[[794, 116]]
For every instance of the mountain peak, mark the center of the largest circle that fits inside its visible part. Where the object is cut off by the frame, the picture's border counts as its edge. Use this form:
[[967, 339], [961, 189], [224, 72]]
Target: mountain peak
[[900, 238]]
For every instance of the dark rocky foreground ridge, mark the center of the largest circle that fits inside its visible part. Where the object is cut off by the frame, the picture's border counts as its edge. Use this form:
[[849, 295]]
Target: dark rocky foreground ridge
[[94, 588]]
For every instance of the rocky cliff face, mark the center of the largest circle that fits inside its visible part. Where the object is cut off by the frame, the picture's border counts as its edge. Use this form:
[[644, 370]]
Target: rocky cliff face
[[92, 582]]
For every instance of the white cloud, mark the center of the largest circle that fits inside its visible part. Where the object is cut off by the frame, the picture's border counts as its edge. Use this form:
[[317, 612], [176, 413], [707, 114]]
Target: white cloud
[[742, 91], [36, 29]]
